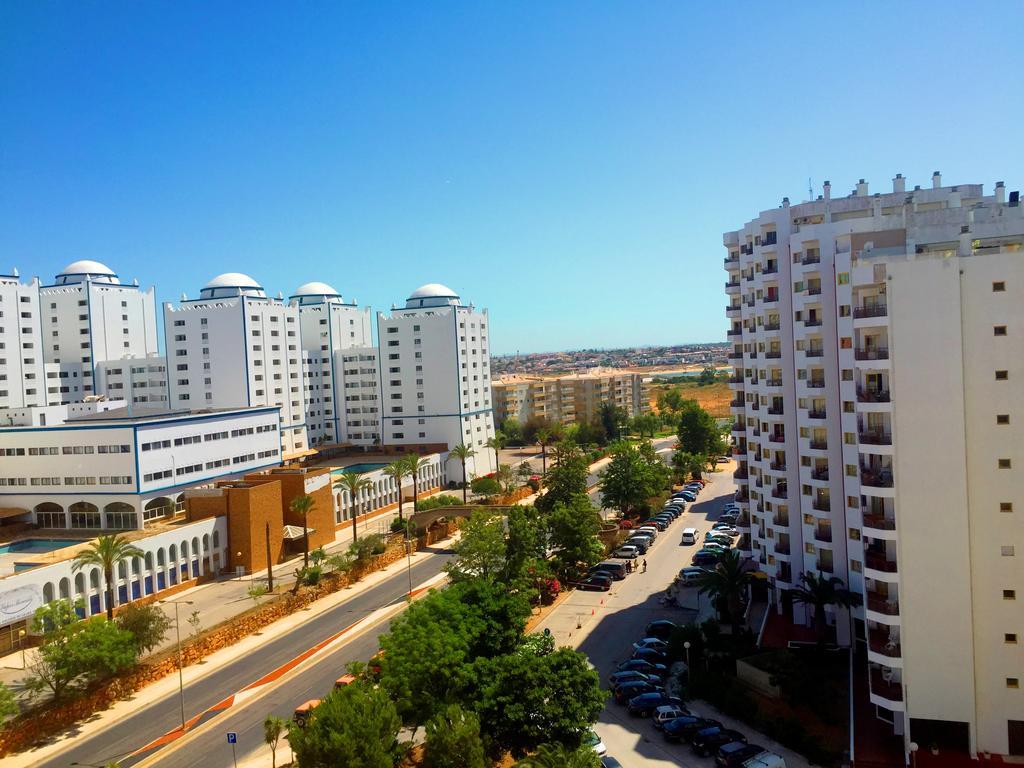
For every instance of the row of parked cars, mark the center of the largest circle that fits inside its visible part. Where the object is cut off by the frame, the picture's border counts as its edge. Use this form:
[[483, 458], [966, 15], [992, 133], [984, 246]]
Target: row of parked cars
[[716, 541]]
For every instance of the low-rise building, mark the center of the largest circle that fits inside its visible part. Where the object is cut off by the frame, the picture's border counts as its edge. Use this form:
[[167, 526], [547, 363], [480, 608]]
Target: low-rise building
[[570, 399]]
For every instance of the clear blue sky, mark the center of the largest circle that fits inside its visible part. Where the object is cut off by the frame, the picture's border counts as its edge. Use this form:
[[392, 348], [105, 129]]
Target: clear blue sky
[[570, 166]]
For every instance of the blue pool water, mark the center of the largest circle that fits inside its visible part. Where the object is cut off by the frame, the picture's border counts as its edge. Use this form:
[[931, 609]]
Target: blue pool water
[[358, 468], [36, 545]]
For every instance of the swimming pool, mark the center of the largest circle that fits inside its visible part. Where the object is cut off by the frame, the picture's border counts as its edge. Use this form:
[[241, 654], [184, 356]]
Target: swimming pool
[[358, 469], [36, 546]]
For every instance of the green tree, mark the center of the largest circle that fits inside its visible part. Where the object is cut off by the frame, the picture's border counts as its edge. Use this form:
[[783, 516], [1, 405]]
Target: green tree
[[671, 400], [303, 505], [462, 452], [480, 551], [75, 652], [646, 424], [567, 478], [273, 728], [698, 432], [626, 482], [453, 740], [544, 436], [526, 542], [106, 552], [496, 443], [535, 423], [486, 486], [397, 470], [527, 700], [707, 375], [560, 756], [512, 430], [8, 703], [355, 484], [687, 464], [506, 477], [416, 464], [612, 418], [726, 584], [819, 591], [657, 474], [355, 725], [147, 624], [574, 527]]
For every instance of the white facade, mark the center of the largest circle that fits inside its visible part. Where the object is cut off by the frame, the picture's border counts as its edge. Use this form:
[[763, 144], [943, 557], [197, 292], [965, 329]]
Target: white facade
[[22, 373], [435, 375], [89, 317], [234, 347], [878, 363], [329, 327], [142, 381], [358, 393], [115, 470]]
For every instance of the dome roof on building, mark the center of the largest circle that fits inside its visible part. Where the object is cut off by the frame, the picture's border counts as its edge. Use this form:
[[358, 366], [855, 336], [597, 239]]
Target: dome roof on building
[[78, 271], [433, 291], [315, 289], [232, 280]]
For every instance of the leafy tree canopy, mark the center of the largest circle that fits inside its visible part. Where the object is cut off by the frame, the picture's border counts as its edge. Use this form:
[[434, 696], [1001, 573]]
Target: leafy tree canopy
[[574, 527], [566, 478], [480, 551], [147, 624], [453, 740]]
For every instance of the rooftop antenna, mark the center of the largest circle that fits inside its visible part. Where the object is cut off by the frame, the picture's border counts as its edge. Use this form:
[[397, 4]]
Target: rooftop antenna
[[810, 189]]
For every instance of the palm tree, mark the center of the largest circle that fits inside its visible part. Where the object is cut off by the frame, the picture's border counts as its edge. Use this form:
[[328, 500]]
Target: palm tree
[[496, 443], [543, 438], [819, 591], [506, 477], [462, 452], [726, 584], [273, 728], [415, 463], [303, 505], [397, 470], [355, 484], [560, 756], [106, 552]]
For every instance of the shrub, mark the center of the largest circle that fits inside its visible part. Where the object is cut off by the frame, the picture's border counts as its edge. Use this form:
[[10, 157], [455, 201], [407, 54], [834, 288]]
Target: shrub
[[147, 624], [441, 500], [485, 486]]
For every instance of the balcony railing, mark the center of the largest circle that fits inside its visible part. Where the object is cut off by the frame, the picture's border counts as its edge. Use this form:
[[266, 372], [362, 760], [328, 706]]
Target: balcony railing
[[825, 566], [771, 298], [812, 322], [873, 353], [732, 284], [732, 308], [819, 445], [822, 505], [778, 519], [885, 688], [879, 562], [779, 466], [773, 382], [814, 290], [771, 270], [770, 238], [755, 405], [773, 354], [776, 438], [737, 403], [875, 437], [772, 326], [775, 410], [780, 492], [874, 310], [879, 642], [739, 427], [823, 534], [814, 352], [872, 395], [880, 603], [876, 478], [816, 383], [820, 474], [735, 356], [781, 548], [731, 260], [811, 258], [740, 474], [735, 379], [816, 414], [878, 522]]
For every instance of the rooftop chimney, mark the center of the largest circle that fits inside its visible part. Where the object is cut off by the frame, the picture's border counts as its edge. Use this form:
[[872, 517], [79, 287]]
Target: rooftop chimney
[[936, 180], [828, 190], [862, 188], [1000, 192], [899, 184]]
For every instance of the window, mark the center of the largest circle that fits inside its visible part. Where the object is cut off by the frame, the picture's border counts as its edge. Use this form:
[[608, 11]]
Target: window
[[844, 310], [1002, 418], [855, 566], [1006, 506], [1006, 550], [1002, 375], [1012, 682], [999, 330], [1004, 464], [1009, 594], [1010, 637]]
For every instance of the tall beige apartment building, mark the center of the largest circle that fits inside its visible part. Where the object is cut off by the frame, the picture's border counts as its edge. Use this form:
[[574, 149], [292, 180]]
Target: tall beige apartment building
[[569, 399], [879, 368]]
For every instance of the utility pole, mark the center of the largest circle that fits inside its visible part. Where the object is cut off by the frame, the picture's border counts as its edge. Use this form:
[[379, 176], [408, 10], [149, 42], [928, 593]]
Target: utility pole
[[270, 563]]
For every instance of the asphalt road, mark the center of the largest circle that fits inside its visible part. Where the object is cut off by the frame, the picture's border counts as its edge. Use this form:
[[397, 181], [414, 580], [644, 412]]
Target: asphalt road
[[211, 749]]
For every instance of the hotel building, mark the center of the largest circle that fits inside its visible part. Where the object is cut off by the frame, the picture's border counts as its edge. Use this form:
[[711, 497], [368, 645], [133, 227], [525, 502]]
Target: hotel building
[[878, 367]]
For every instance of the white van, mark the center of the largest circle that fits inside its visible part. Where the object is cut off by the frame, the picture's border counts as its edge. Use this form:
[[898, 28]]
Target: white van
[[766, 760], [689, 536]]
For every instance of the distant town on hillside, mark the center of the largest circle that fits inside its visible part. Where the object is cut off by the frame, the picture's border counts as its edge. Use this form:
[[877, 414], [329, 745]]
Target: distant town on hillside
[[656, 358]]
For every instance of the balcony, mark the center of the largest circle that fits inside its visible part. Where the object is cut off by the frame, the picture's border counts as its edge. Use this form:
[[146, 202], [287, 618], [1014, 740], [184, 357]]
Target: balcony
[[875, 437], [823, 534], [780, 492], [750, 303], [878, 522], [773, 382], [735, 379], [872, 395], [880, 603], [815, 352], [731, 260], [772, 326], [775, 410], [770, 238], [773, 354], [732, 284], [743, 521], [814, 290], [739, 427], [776, 438], [872, 353], [811, 258], [825, 566], [885, 688], [771, 270], [740, 474], [816, 414], [782, 548], [820, 473], [819, 445], [731, 308], [878, 561], [735, 356], [822, 504], [755, 405], [771, 298], [737, 403], [875, 310], [815, 383], [812, 322], [876, 478], [884, 644], [778, 519], [779, 466]]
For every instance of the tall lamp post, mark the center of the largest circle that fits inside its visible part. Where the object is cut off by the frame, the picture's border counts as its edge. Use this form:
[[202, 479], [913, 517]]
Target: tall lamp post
[[913, 754], [181, 678], [686, 645]]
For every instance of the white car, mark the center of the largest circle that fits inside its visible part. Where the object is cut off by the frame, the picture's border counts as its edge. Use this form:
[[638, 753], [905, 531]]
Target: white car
[[691, 574], [592, 740], [667, 712], [648, 529], [628, 552], [655, 643]]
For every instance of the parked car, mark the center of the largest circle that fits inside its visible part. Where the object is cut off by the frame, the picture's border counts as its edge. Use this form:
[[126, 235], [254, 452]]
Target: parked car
[[610, 762], [661, 525], [706, 558], [726, 529], [725, 542], [628, 552], [643, 543], [689, 496], [691, 574], [651, 642], [660, 628], [651, 529], [683, 728], [766, 760], [645, 704], [610, 568], [650, 654], [667, 712], [628, 691], [592, 740], [304, 712], [643, 665], [695, 487], [736, 754], [729, 517], [616, 679], [595, 582], [708, 741]]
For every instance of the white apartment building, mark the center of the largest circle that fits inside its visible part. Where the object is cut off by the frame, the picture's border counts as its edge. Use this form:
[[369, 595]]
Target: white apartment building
[[142, 381], [235, 347], [22, 373], [878, 364], [115, 470], [329, 330], [435, 375]]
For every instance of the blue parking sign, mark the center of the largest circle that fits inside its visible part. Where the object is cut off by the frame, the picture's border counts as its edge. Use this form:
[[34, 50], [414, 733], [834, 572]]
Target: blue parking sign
[[232, 737]]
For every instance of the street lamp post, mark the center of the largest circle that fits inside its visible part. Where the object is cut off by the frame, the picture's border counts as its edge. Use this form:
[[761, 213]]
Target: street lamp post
[[21, 644], [181, 677], [686, 645], [913, 754]]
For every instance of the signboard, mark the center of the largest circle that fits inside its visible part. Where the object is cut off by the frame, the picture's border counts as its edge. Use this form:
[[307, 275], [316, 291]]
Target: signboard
[[232, 737], [317, 482], [20, 603]]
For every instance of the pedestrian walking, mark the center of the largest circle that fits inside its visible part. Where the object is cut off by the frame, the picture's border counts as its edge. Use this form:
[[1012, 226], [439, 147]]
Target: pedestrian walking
[[645, 566]]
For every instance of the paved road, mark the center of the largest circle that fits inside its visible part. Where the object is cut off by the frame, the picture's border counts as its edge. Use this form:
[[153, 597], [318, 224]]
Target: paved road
[[153, 721]]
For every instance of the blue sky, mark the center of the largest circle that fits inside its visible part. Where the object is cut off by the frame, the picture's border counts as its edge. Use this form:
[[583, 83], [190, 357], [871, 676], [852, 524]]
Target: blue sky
[[570, 166]]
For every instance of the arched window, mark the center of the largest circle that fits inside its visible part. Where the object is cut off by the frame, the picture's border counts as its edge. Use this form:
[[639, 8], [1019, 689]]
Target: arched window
[[47, 592], [216, 539], [172, 554], [161, 506], [79, 584], [50, 515], [94, 579], [65, 588], [119, 515], [206, 543], [122, 570], [149, 561], [85, 515], [161, 559]]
